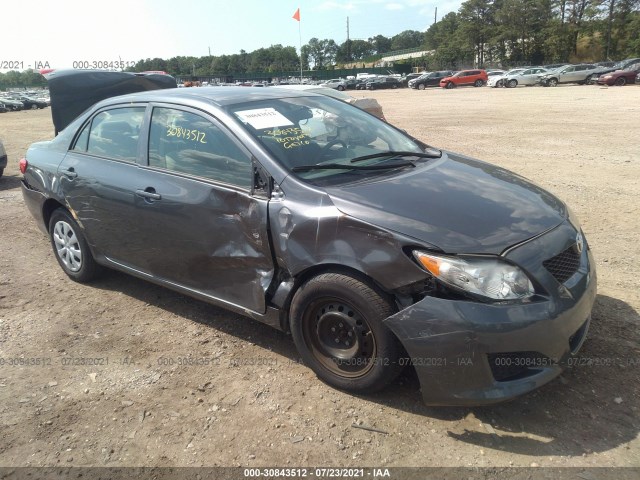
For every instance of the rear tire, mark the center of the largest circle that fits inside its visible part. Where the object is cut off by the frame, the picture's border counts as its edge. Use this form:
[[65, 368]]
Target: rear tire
[[337, 326], [340, 88], [478, 83], [70, 247]]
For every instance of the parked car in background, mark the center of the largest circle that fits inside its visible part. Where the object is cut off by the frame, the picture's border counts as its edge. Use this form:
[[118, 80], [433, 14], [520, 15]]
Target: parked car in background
[[477, 78], [382, 82], [307, 214], [431, 79], [620, 77], [31, 103], [350, 84], [404, 81], [494, 72], [530, 76], [3, 107], [12, 103], [336, 83], [498, 80], [621, 65], [3, 159], [582, 74]]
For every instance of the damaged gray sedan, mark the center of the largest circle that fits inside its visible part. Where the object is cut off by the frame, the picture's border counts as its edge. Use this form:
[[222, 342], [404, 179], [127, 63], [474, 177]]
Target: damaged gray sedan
[[373, 249]]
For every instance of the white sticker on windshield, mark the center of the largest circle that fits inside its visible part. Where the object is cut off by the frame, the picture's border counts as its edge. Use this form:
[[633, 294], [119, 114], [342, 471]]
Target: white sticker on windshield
[[261, 118]]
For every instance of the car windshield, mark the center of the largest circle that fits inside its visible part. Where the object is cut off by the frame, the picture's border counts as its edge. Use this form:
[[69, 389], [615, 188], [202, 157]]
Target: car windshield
[[317, 131]]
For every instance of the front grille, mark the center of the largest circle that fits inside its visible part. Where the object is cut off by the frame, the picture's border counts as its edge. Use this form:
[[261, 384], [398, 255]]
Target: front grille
[[563, 265], [514, 365]]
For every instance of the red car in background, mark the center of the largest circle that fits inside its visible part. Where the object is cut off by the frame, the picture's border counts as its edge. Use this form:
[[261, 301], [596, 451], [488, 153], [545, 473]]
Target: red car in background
[[620, 77], [477, 78]]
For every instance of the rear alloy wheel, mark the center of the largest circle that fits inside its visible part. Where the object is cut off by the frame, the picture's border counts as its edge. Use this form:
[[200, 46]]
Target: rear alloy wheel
[[553, 82], [34, 107], [451, 85], [70, 247], [421, 86], [337, 326], [340, 88], [512, 83], [478, 83], [620, 81]]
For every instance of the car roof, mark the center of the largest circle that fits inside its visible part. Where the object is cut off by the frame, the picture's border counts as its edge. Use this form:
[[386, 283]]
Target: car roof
[[220, 96]]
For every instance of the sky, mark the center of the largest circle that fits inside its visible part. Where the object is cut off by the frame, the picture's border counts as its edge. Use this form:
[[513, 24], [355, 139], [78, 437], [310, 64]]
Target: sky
[[81, 32]]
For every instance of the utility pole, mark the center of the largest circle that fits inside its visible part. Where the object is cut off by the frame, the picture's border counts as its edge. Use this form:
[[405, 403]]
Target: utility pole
[[348, 42], [435, 17]]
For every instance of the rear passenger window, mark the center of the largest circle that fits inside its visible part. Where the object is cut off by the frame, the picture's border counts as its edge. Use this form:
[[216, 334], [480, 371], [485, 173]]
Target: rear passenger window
[[188, 143], [114, 133]]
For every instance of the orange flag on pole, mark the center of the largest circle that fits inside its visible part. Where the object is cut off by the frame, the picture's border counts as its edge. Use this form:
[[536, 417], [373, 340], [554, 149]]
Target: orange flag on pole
[[296, 16]]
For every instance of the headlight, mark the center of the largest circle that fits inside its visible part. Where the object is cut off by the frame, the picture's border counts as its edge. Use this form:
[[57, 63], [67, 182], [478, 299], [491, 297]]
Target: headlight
[[488, 277]]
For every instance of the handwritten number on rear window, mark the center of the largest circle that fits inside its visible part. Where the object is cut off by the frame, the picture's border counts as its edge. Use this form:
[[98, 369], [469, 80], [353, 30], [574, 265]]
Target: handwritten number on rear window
[[193, 135]]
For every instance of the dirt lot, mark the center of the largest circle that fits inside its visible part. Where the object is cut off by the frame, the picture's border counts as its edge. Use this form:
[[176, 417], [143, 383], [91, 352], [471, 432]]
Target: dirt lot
[[255, 405]]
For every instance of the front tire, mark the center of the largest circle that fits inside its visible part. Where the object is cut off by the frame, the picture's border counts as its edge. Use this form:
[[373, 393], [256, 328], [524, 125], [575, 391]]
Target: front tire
[[512, 84], [340, 88], [450, 85], [553, 82], [70, 247], [620, 81], [421, 86], [337, 326]]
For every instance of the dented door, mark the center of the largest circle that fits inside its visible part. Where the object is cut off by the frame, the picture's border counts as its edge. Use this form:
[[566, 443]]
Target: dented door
[[208, 238]]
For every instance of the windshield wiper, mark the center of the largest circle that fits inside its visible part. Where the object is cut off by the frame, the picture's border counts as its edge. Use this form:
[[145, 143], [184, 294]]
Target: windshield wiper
[[433, 154], [339, 166]]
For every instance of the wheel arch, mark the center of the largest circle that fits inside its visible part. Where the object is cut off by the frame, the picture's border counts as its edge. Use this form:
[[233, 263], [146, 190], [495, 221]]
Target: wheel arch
[[287, 289], [50, 205]]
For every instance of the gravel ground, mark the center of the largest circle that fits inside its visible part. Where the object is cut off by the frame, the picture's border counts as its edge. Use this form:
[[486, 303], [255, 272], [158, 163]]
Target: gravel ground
[[242, 398]]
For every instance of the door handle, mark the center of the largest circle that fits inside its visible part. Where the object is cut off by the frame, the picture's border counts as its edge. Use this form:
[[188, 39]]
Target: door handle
[[149, 193], [70, 173]]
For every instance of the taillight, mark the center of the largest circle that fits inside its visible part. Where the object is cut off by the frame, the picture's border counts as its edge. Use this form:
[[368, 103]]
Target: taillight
[[23, 165]]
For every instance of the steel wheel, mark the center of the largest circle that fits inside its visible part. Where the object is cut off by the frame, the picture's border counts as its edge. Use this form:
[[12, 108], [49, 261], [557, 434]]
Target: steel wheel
[[67, 246], [337, 326], [340, 338]]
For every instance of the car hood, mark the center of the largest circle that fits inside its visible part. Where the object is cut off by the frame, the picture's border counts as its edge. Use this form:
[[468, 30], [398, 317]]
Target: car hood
[[455, 203]]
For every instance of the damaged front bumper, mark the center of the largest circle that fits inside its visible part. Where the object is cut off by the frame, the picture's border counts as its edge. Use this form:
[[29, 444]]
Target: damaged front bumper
[[470, 353]]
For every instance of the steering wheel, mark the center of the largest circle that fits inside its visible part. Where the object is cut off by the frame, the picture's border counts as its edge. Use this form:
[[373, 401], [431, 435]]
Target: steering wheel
[[332, 143]]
